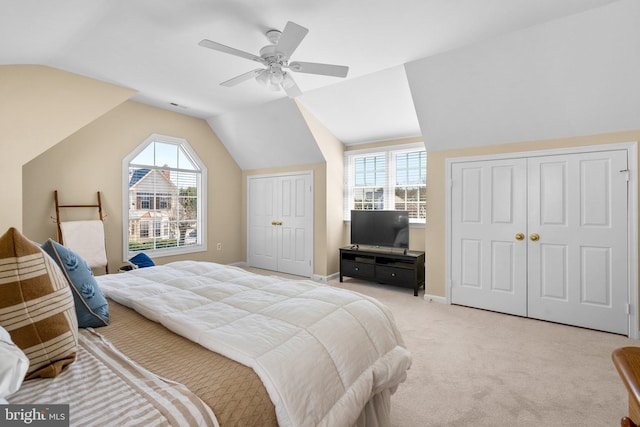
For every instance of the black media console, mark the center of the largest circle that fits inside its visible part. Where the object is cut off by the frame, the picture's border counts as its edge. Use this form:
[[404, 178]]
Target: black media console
[[388, 266]]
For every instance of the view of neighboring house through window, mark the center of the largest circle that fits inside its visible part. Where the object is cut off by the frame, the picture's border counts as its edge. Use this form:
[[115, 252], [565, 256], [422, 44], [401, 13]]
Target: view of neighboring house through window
[[411, 183], [370, 176], [391, 178], [165, 198]]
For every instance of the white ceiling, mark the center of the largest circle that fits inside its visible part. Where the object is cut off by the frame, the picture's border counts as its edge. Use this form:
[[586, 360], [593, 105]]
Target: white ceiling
[[152, 46]]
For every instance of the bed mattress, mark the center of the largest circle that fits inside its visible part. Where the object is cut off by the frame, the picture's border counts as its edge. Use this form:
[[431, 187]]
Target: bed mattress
[[322, 353]]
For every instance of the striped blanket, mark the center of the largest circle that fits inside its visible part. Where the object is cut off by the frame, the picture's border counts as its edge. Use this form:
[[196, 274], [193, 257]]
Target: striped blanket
[[104, 388]]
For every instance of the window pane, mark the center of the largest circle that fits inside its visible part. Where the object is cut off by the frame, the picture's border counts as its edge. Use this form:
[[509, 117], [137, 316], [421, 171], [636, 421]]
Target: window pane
[[184, 162], [411, 199], [163, 198], [369, 179], [411, 168], [411, 178], [370, 171], [368, 198], [146, 156], [166, 155]]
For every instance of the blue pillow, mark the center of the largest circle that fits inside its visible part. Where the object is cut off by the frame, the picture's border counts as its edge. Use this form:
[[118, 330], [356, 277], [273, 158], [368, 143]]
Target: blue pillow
[[142, 260], [92, 308]]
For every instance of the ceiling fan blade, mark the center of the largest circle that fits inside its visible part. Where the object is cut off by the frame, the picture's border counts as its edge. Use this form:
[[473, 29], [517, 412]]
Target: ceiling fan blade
[[226, 49], [290, 38], [242, 77], [290, 87], [315, 68]]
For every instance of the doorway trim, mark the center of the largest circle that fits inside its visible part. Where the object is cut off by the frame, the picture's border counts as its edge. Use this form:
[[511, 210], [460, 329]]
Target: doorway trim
[[632, 213]]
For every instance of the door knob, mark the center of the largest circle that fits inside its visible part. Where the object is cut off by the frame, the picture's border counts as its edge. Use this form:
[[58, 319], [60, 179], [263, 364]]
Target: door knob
[[520, 236], [534, 237]]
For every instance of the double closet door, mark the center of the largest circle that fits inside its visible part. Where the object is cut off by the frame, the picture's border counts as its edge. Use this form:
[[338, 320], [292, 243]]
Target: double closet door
[[280, 223], [543, 237]]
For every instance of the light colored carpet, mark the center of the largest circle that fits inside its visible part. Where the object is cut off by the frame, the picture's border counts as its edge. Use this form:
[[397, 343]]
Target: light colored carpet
[[478, 368]]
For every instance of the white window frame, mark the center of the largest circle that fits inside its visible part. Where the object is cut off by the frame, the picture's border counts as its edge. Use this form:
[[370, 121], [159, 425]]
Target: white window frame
[[389, 187], [201, 244]]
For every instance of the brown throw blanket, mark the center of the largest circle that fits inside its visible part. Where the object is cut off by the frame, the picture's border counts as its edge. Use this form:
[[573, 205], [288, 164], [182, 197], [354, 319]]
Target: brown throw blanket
[[233, 391]]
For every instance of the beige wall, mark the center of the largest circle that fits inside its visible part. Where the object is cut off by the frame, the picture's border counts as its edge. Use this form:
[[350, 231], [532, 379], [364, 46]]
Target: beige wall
[[436, 179], [63, 135], [40, 106], [90, 160], [333, 226]]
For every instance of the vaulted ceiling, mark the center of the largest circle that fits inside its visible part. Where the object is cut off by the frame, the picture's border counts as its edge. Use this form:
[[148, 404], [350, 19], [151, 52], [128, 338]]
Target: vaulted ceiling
[[151, 46]]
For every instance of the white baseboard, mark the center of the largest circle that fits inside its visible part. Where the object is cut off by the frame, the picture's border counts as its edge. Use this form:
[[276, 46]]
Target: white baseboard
[[435, 298], [325, 279]]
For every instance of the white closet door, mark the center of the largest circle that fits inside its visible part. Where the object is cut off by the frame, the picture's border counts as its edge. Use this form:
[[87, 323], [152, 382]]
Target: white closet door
[[280, 223], [295, 232], [577, 270], [261, 214], [488, 212]]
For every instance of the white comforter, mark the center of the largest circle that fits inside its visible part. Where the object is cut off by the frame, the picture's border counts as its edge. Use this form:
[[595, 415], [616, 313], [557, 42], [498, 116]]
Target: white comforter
[[321, 352]]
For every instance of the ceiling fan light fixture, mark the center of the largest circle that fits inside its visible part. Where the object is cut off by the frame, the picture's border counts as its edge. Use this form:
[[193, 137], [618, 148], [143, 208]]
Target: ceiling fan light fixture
[[263, 78], [287, 81], [276, 75], [271, 78]]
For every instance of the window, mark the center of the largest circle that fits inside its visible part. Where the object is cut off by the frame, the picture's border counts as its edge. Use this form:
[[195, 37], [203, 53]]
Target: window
[[153, 201], [387, 178], [144, 229], [370, 174], [411, 183], [164, 198]]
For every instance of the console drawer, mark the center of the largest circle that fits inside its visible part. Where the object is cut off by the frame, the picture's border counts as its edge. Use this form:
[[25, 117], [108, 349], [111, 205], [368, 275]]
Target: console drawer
[[357, 269], [396, 276]]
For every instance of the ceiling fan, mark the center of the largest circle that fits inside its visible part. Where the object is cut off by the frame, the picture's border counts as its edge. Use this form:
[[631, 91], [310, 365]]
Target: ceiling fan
[[275, 57]]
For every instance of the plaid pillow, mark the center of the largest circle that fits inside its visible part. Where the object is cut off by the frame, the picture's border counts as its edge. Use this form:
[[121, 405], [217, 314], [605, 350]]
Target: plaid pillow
[[36, 306]]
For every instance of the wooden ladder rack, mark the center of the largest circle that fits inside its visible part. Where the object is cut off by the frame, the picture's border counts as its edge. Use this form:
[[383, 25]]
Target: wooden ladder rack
[[58, 206]]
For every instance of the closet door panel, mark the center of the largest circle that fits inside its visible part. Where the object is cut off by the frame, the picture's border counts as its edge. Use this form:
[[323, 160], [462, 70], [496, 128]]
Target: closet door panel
[[261, 213], [577, 268], [295, 233], [488, 212]]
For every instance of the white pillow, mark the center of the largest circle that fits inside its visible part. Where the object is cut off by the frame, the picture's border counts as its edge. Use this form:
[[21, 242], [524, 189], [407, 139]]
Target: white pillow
[[13, 365]]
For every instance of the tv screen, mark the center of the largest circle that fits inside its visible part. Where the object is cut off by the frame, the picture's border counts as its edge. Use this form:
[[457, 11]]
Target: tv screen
[[380, 228]]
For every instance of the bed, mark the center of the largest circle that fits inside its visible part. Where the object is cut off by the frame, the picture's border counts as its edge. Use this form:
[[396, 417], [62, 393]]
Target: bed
[[246, 349]]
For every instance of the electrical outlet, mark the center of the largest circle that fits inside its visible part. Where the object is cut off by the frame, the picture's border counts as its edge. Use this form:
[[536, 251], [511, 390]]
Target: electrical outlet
[[219, 246]]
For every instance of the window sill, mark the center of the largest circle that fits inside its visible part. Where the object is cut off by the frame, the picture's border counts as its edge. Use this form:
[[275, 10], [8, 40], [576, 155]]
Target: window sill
[[160, 253]]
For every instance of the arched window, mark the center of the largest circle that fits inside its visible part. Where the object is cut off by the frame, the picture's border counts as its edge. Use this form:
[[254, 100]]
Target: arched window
[[163, 199]]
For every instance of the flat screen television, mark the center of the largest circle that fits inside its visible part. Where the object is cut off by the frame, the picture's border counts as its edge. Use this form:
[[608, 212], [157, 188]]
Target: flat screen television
[[380, 228]]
